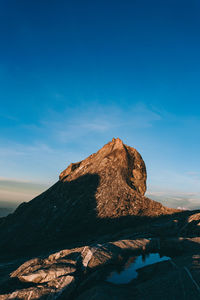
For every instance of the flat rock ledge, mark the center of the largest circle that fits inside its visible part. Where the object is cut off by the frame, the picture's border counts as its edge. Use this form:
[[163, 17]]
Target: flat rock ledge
[[63, 271], [79, 273]]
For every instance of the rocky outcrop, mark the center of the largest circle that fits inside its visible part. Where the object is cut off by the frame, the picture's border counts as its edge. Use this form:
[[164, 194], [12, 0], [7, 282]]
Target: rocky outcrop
[[115, 162], [192, 226], [101, 194], [51, 290], [80, 273], [61, 273]]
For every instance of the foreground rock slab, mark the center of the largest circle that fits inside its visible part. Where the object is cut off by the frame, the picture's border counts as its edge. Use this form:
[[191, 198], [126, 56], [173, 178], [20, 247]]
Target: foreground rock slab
[[80, 273], [52, 290], [61, 272]]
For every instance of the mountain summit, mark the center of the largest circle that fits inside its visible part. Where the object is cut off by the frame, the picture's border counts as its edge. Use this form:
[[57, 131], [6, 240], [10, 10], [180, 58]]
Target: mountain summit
[[101, 194], [115, 161]]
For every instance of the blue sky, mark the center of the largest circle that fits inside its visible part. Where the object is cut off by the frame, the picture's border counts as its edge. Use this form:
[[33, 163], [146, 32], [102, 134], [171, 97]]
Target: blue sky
[[75, 74]]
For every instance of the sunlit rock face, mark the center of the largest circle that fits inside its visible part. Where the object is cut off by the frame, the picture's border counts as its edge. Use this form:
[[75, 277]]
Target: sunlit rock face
[[101, 194], [121, 175], [114, 162]]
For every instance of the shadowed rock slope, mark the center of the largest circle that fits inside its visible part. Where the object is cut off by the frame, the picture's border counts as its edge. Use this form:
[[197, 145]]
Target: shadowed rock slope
[[97, 195]]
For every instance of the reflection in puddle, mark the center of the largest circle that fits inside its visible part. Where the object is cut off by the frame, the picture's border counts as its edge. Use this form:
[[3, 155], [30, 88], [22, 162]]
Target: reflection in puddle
[[129, 270]]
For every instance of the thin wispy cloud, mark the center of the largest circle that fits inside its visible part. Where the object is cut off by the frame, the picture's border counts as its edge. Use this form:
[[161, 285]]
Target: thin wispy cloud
[[96, 118], [14, 183], [16, 180], [13, 149], [8, 117], [194, 175]]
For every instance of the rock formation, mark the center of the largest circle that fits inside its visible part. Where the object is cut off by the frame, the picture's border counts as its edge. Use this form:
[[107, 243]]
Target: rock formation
[[98, 215], [102, 193]]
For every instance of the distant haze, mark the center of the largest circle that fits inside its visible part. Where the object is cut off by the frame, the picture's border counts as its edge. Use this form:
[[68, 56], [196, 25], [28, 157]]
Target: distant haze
[[13, 193]]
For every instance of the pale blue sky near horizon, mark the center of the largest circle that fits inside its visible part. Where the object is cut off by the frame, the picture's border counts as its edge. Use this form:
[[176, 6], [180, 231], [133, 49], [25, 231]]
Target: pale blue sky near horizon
[[75, 74]]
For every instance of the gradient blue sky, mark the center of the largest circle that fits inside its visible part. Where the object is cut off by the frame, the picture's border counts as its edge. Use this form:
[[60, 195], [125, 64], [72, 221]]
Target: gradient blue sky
[[74, 74]]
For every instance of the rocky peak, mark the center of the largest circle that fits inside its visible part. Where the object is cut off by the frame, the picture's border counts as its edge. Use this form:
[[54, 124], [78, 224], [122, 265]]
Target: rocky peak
[[116, 158]]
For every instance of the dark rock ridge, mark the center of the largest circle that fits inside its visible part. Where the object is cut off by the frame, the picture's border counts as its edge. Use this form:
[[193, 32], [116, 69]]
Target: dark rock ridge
[[95, 196]]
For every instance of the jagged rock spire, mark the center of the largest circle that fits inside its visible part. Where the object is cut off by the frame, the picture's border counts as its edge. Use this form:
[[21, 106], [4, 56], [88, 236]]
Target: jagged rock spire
[[113, 156]]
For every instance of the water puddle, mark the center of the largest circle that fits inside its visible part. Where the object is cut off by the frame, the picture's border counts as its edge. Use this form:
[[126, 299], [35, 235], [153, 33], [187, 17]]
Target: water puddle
[[128, 271]]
